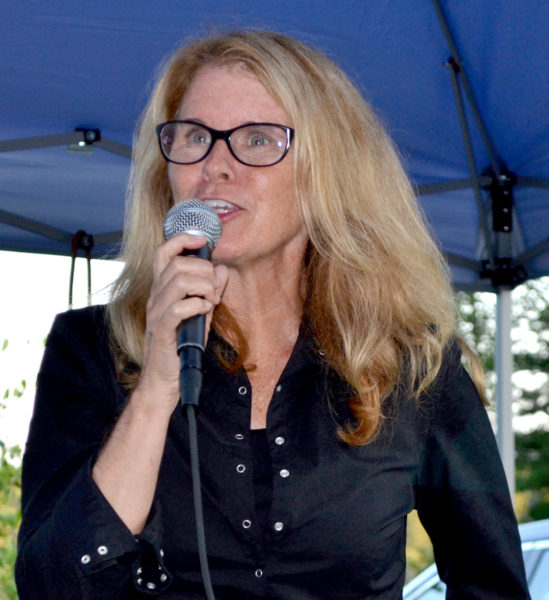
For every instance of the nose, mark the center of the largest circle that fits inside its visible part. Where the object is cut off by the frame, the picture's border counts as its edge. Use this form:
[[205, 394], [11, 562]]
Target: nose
[[220, 163]]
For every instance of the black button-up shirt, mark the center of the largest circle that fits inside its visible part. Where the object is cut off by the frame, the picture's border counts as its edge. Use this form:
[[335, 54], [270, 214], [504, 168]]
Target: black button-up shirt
[[336, 525]]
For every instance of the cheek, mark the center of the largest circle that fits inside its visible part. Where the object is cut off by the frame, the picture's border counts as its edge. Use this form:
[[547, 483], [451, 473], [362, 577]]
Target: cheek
[[172, 179], [286, 200], [278, 185], [180, 181]]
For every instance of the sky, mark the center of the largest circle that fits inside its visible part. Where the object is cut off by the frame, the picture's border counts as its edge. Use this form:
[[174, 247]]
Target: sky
[[35, 288]]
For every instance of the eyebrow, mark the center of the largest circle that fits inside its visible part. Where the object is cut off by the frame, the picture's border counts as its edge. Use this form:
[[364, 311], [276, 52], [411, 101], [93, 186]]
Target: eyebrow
[[201, 122]]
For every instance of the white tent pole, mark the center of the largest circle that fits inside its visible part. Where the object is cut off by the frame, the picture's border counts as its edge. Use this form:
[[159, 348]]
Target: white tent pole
[[504, 390]]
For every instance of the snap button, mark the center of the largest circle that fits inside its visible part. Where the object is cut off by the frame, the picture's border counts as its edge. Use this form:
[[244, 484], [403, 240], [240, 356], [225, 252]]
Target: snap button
[[284, 473], [242, 390], [85, 559], [102, 550], [240, 468], [163, 577], [279, 440], [151, 585], [278, 388], [239, 436], [161, 552], [258, 573], [278, 526], [246, 523]]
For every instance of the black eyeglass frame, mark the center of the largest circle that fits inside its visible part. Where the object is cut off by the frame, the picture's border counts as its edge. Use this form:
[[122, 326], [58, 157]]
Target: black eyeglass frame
[[217, 134]]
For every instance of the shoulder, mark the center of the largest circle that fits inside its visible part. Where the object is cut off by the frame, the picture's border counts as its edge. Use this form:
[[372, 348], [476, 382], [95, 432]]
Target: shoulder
[[91, 316], [453, 402], [90, 322], [78, 335], [453, 379], [78, 359]]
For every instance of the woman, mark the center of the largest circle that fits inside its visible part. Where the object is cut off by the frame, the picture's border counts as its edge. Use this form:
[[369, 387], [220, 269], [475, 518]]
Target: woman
[[333, 402]]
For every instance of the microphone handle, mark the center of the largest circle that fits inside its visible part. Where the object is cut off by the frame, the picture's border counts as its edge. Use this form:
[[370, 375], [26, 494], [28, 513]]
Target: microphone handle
[[190, 346]]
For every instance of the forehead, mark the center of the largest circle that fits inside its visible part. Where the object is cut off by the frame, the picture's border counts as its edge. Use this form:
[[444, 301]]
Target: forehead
[[230, 96]]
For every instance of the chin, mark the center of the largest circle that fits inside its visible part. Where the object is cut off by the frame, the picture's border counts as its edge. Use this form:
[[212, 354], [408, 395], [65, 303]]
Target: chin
[[225, 253]]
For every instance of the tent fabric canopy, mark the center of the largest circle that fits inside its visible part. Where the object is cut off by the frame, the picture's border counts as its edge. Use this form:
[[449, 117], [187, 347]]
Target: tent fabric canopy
[[461, 85]]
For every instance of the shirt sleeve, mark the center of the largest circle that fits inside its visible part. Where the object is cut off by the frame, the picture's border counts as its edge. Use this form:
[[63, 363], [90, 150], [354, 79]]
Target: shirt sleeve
[[72, 545], [463, 498]]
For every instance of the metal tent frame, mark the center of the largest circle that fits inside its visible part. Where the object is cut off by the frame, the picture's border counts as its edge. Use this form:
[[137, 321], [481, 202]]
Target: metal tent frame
[[503, 258]]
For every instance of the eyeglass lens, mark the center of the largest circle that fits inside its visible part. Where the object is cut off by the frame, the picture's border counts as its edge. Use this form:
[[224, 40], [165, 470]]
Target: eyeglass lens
[[254, 144]]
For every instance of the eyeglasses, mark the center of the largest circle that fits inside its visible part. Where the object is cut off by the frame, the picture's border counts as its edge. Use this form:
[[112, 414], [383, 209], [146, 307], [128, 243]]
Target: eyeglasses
[[254, 144]]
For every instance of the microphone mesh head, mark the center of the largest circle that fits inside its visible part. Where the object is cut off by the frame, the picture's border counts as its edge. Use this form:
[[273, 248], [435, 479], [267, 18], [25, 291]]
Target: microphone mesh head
[[194, 217]]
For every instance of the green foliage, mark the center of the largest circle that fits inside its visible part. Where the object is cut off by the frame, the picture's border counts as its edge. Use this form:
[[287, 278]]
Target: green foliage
[[532, 357], [477, 325], [10, 517], [531, 381], [10, 501]]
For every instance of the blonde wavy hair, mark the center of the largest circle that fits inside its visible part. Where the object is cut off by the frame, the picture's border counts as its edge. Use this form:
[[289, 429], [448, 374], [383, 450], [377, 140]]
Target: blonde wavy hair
[[378, 299]]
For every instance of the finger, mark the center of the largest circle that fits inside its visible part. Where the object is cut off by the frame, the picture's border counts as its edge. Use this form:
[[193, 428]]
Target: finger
[[181, 288], [190, 274], [178, 312], [174, 247], [222, 276], [161, 331]]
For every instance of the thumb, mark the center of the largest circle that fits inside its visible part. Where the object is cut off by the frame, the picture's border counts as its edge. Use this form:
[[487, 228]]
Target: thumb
[[222, 274]]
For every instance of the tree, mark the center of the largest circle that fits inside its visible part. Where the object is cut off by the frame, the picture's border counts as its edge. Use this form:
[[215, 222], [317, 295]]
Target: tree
[[477, 324], [532, 358], [530, 337], [10, 517], [10, 501]]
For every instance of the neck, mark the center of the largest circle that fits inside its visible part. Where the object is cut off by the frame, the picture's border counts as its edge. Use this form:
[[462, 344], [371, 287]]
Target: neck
[[267, 305]]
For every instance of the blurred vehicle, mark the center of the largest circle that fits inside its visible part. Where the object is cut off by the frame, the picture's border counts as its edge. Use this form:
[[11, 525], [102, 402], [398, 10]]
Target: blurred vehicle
[[535, 550]]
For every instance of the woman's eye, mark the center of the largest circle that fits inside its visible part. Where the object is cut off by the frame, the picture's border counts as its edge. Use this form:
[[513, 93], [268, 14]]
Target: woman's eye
[[258, 140], [199, 138]]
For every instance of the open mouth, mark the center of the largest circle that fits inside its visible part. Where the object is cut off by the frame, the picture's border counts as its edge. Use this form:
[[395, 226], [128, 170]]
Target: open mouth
[[221, 207]]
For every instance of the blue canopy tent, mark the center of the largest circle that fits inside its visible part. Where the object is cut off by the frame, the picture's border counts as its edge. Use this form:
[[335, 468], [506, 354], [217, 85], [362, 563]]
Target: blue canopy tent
[[462, 85]]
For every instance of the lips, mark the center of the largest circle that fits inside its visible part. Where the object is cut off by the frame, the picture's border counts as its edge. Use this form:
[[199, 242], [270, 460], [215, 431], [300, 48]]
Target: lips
[[221, 207]]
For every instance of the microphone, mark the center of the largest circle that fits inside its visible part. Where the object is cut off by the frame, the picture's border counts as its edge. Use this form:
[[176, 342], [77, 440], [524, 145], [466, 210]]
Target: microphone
[[196, 218]]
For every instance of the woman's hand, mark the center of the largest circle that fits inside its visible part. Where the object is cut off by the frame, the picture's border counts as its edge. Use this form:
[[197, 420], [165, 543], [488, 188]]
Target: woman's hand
[[183, 286], [126, 470]]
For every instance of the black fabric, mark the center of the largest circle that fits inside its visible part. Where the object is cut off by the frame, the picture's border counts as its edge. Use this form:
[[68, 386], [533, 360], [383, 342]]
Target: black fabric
[[336, 521], [263, 479]]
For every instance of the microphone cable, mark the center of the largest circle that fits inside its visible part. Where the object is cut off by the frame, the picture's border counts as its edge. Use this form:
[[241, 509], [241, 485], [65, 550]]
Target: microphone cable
[[197, 500]]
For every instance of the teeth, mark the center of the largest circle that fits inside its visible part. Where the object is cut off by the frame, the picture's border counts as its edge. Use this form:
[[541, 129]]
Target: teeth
[[220, 206]]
